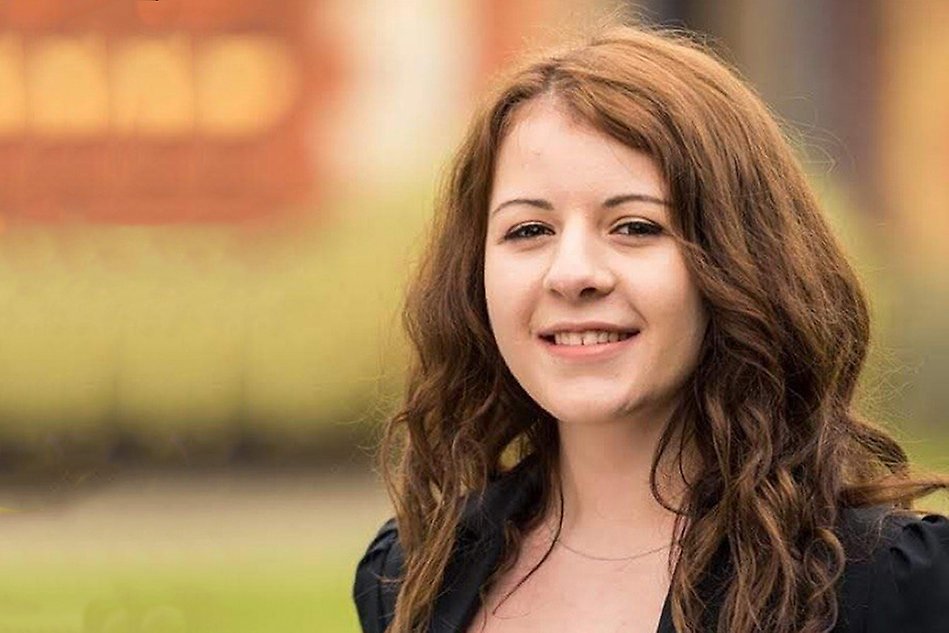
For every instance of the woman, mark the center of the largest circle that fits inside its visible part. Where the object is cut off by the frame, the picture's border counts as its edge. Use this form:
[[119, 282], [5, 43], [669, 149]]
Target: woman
[[637, 348]]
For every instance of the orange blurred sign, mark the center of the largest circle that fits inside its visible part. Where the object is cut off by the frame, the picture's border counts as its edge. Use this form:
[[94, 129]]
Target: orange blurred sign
[[157, 111]]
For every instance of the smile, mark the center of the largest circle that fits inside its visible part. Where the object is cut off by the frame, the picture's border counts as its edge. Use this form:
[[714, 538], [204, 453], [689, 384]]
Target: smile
[[593, 344], [591, 337]]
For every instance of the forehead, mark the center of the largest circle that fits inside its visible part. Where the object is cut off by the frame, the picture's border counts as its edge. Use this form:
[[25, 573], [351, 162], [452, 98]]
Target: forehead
[[549, 150]]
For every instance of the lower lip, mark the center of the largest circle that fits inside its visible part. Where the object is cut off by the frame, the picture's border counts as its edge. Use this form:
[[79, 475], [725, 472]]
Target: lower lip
[[592, 352]]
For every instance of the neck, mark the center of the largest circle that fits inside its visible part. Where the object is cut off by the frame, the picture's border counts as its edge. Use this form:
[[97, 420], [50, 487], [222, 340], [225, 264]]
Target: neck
[[608, 505]]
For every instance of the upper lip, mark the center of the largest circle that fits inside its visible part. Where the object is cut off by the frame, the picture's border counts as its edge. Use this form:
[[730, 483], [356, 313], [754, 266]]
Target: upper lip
[[584, 326]]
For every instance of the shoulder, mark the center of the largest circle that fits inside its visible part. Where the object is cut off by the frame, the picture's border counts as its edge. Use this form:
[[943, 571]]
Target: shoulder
[[897, 574], [375, 586], [910, 588]]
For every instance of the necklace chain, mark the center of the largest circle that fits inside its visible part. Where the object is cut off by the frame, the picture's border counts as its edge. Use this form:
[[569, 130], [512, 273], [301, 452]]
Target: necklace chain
[[560, 542]]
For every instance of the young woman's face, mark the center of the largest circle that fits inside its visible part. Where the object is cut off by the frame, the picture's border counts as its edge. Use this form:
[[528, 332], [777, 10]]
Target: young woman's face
[[588, 294]]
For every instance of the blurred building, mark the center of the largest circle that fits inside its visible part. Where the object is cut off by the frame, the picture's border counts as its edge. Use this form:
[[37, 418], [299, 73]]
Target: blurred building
[[155, 111]]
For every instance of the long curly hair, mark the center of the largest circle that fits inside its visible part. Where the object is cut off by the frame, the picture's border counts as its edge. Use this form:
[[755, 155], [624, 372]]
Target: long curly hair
[[769, 406]]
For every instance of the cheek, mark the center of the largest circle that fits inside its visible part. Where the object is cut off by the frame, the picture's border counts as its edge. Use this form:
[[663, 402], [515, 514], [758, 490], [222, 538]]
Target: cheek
[[692, 318], [693, 304], [677, 305], [507, 295]]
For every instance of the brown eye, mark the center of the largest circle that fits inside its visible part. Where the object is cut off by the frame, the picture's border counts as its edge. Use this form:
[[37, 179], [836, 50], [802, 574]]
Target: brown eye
[[526, 231], [639, 228]]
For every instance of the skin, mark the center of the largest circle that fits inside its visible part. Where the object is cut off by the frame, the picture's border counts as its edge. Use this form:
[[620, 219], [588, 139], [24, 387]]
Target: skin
[[577, 261]]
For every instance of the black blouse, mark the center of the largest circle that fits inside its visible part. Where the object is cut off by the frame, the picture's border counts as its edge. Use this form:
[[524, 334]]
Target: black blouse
[[896, 579]]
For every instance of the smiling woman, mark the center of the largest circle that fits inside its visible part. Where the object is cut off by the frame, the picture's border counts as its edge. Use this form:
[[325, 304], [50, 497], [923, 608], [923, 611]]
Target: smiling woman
[[637, 346]]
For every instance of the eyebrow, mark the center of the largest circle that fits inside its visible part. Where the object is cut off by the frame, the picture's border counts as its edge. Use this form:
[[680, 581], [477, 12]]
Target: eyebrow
[[609, 203]]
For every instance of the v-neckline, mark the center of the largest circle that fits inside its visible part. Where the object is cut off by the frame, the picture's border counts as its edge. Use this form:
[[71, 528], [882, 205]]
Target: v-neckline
[[480, 547]]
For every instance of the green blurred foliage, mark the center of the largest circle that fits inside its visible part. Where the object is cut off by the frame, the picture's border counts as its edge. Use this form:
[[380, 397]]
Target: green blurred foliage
[[195, 335]]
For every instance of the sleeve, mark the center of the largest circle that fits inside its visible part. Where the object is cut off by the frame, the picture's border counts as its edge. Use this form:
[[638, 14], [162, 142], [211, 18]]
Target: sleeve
[[910, 581], [375, 597]]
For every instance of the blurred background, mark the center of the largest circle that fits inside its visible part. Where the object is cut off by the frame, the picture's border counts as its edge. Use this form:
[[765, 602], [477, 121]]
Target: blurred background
[[208, 210]]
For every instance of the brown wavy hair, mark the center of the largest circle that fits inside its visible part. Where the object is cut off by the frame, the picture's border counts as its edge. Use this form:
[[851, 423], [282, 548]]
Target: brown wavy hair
[[769, 407]]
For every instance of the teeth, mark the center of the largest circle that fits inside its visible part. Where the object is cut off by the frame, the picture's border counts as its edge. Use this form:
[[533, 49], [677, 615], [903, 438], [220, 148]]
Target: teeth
[[592, 337]]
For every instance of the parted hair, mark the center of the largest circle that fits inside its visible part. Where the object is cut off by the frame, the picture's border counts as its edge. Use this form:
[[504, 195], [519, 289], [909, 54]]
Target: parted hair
[[770, 406]]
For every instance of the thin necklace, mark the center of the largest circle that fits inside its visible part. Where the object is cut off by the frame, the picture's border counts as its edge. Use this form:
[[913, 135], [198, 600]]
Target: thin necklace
[[558, 541]]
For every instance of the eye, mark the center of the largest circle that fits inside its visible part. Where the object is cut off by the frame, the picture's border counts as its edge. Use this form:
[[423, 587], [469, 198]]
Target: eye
[[639, 228], [526, 231]]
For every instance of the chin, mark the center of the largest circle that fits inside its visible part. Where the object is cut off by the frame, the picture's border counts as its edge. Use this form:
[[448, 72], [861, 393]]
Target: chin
[[582, 412], [604, 408]]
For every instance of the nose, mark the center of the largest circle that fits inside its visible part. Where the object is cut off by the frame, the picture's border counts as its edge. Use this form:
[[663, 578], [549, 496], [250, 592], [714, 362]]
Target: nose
[[578, 268]]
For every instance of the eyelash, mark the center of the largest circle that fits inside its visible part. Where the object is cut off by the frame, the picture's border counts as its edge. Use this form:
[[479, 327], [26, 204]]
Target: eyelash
[[651, 230]]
